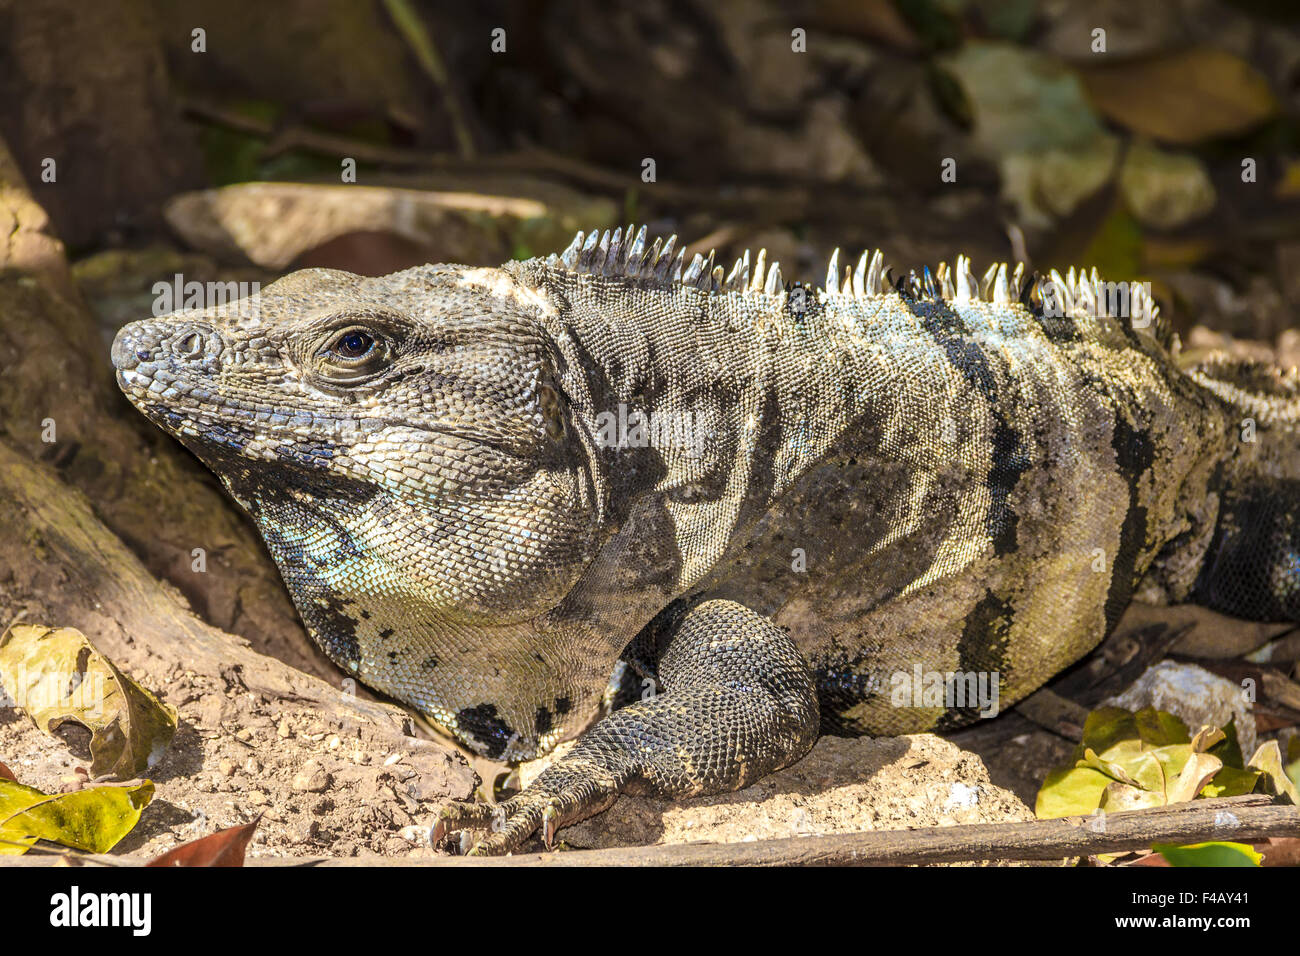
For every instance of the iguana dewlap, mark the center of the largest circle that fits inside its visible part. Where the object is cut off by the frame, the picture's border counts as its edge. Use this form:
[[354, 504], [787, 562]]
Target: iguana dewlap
[[869, 507]]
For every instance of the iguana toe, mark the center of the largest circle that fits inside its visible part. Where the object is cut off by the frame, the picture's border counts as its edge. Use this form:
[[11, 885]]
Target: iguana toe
[[548, 805], [461, 815]]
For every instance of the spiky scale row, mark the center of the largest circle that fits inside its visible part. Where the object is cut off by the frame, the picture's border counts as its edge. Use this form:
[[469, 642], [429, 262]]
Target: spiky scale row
[[620, 253], [624, 254]]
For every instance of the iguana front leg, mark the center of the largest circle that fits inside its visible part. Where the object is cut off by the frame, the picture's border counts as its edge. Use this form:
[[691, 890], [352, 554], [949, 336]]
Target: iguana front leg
[[737, 701]]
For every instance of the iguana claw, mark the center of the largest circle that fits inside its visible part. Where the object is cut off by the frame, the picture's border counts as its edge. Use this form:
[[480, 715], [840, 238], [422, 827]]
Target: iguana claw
[[565, 793]]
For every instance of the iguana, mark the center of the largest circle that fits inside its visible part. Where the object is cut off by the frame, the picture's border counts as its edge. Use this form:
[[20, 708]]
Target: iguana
[[701, 517]]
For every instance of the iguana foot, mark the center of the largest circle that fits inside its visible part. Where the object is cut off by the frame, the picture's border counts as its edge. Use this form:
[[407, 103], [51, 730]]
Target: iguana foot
[[737, 702], [565, 792]]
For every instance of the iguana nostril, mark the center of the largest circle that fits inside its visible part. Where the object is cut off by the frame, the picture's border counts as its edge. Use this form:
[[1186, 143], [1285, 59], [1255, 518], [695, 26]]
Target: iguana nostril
[[150, 343], [130, 348]]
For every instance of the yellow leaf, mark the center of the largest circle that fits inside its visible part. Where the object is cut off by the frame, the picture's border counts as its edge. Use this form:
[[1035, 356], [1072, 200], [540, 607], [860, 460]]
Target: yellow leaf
[[56, 675], [1068, 791], [1120, 796], [1196, 773], [94, 819], [1268, 761]]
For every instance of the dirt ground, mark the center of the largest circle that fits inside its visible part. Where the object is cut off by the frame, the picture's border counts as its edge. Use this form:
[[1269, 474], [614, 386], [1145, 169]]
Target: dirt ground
[[842, 786], [320, 790]]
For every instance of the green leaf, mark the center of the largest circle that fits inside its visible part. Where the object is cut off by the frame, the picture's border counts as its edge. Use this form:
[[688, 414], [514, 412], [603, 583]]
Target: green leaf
[[93, 819], [1231, 782], [1147, 750], [1070, 791], [1208, 854], [1030, 116], [14, 798], [1158, 728], [1229, 749], [1128, 761], [56, 675], [1109, 727]]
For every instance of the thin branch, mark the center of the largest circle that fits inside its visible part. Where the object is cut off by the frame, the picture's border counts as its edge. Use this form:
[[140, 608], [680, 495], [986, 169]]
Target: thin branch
[[1239, 819], [763, 204], [1055, 713], [416, 34], [1247, 819]]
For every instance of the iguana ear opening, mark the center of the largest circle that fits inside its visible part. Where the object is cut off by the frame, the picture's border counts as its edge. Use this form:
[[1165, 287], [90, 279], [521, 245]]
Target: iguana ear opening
[[566, 428], [552, 411], [566, 405]]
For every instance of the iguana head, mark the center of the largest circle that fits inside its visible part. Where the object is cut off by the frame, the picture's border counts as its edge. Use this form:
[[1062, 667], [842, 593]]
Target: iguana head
[[406, 450]]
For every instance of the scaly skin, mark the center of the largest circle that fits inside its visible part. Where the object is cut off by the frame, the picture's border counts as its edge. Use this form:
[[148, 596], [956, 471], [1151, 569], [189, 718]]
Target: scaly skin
[[841, 485]]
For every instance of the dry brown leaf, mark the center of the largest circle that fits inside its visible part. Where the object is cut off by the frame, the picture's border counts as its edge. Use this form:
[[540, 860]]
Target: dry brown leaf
[[223, 848], [57, 676], [877, 20], [1280, 851], [1184, 97]]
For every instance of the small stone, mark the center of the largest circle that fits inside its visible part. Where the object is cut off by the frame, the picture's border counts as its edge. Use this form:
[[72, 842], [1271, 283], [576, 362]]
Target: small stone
[[227, 767], [252, 765], [334, 742], [304, 832], [1195, 696], [284, 731], [311, 778], [210, 712], [258, 798], [415, 834], [962, 796]]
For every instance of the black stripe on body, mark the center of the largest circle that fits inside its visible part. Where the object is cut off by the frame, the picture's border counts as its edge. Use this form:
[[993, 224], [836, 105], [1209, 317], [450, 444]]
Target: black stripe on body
[[1134, 455], [844, 680], [982, 649], [1008, 457], [485, 727]]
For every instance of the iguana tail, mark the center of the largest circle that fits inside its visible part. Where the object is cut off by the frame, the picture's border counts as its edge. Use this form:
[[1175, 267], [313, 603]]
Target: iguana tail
[[1252, 566], [1259, 390]]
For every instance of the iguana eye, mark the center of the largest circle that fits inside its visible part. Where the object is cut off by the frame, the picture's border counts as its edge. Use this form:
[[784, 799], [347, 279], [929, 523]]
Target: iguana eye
[[353, 345], [350, 355]]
